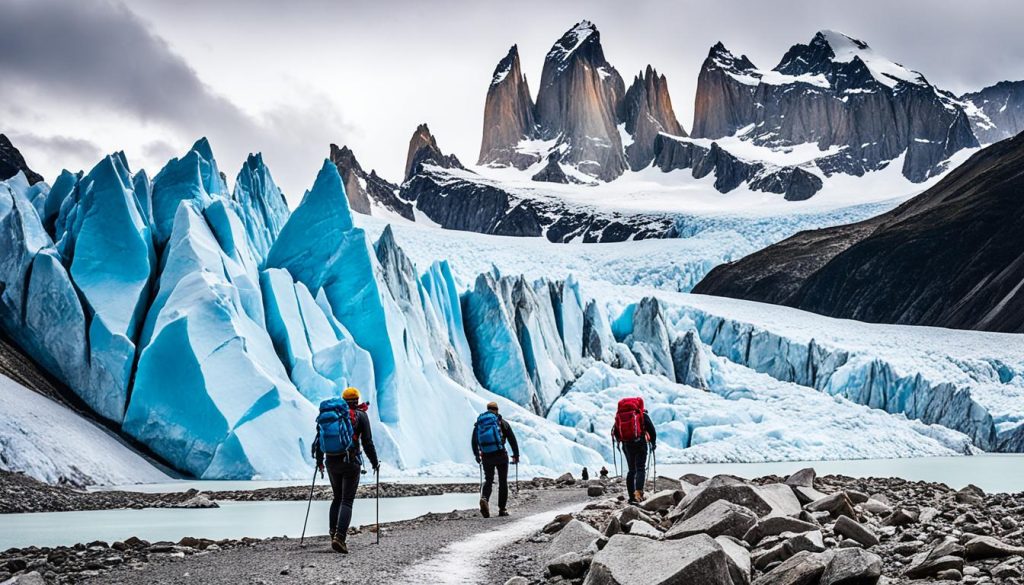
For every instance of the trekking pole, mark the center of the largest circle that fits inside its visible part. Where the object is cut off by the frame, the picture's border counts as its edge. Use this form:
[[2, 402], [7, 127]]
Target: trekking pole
[[377, 473], [302, 540], [517, 477]]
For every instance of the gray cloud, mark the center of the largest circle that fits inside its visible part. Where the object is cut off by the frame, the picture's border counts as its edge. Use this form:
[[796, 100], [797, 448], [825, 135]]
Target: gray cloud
[[58, 146]]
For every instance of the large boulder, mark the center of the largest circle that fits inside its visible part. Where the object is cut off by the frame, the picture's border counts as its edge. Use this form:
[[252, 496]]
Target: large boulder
[[803, 568], [662, 500], [812, 541], [570, 565], [632, 560], [766, 500], [719, 518], [803, 478], [987, 547], [837, 504], [855, 531], [852, 566], [775, 525], [738, 557], [575, 536], [944, 556]]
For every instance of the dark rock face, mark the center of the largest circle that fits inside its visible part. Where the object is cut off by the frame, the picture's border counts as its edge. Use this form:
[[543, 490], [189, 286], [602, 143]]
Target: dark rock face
[[901, 267], [577, 103], [362, 188], [646, 111], [552, 172], [11, 162], [999, 111], [730, 172], [423, 149], [508, 115], [468, 203], [835, 92]]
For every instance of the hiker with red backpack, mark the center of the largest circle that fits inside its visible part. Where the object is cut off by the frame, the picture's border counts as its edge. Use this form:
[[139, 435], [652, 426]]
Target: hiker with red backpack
[[489, 435], [342, 426], [633, 429]]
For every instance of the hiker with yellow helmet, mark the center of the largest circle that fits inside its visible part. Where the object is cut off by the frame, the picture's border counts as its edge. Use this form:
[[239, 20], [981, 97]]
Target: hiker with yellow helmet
[[342, 427]]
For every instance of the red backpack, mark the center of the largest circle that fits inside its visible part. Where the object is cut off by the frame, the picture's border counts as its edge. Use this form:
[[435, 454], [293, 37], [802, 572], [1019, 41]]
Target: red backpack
[[629, 419]]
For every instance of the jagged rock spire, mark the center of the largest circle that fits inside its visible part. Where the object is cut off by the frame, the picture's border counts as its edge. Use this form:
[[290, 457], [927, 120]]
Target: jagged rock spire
[[423, 149], [508, 115], [647, 111]]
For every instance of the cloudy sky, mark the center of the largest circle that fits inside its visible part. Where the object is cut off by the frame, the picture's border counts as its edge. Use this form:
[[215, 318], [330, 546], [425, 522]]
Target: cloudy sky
[[80, 78]]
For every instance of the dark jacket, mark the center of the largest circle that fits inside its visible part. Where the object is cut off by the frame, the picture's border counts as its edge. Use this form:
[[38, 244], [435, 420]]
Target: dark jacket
[[363, 435], [652, 435], [506, 435]]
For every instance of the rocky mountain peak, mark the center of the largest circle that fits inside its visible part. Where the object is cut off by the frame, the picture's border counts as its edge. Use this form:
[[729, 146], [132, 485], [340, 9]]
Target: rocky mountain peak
[[646, 111], [579, 97], [508, 115], [722, 58], [422, 149], [364, 190], [11, 162]]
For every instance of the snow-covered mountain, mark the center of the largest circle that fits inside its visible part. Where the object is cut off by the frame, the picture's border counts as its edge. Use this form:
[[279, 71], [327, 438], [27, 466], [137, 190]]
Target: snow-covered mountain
[[212, 350], [825, 123]]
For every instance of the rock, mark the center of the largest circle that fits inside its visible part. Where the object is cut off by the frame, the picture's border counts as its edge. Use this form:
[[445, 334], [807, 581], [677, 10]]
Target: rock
[[949, 575], [943, 556], [987, 547], [668, 483], [692, 478], [766, 500], [641, 528], [423, 149], [576, 536], [812, 541], [508, 115], [803, 478], [565, 478], [876, 507], [806, 495], [570, 565], [776, 525], [719, 518], [738, 558], [971, 494], [517, 580], [900, 517], [595, 491], [803, 568], [33, 578], [612, 528], [837, 504], [662, 500], [852, 566], [631, 560], [849, 543], [1007, 570], [557, 524], [928, 514], [198, 501], [854, 530], [857, 497]]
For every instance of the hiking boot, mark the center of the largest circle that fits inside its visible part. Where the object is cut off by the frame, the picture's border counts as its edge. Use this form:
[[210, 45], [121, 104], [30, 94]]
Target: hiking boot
[[638, 496], [339, 545], [485, 508], [502, 512]]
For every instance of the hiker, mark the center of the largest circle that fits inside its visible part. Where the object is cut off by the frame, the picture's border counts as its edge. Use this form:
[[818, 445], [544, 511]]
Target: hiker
[[489, 435], [633, 429], [604, 472], [585, 475], [341, 427]]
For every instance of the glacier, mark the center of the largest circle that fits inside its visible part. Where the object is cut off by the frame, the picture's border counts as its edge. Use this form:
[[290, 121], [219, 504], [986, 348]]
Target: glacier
[[227, 318]]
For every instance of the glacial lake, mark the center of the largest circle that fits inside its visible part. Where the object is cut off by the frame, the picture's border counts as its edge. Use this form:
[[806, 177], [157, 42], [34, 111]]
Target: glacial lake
[[231, 520]]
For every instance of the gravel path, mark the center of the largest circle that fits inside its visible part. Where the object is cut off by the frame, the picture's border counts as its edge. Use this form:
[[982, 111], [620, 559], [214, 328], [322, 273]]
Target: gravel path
[[404, 547]]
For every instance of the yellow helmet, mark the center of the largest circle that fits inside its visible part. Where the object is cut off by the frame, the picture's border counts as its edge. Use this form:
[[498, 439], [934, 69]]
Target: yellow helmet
[[350, 393]]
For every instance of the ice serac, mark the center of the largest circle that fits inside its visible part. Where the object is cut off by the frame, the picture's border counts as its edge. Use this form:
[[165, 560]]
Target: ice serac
[[577, 103], [321, 357], [99, 220], [898, 267], [12, 162], [423, 149], [443, 296], [647, 335], [210, 395], [646, 111], [997, 111], [194, 177], [568, 308], [367, 190], [508, 116], [263, 208]]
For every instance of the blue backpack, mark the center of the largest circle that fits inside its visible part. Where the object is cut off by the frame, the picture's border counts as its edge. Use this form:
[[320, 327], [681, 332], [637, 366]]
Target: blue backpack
[[488, 433], [335, 426]]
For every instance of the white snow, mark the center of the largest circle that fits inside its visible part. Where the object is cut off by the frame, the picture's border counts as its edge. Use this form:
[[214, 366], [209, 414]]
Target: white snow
[[775, 78], [882, 69], [55, 444]]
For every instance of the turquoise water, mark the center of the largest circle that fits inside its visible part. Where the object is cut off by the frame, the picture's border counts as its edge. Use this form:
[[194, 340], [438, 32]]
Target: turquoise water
[[231, 520]]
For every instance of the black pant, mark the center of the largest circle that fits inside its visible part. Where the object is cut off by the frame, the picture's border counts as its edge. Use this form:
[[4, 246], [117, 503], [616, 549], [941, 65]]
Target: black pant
[[499, 461], [344, 481], [636, 461]]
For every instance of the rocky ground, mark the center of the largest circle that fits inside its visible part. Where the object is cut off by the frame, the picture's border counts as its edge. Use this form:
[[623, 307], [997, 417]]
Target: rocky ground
[[20, 493], [800, 530]]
